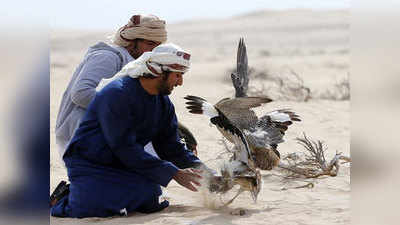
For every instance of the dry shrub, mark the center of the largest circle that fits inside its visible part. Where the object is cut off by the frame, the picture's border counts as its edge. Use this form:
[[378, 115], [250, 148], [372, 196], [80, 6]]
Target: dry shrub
[[289, 86], [311, 162], [265, 53], [253, 74], [339, 92]]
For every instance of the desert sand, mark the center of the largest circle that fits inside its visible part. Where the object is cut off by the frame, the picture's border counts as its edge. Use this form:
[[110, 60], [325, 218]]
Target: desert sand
[[312, 44]]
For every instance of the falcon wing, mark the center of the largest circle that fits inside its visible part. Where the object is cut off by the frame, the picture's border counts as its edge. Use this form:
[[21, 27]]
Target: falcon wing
[[280, 119], [240, 80], [242, 152], [238, 110], [199, 105], [242, 63], [271, 127], [242, 103]]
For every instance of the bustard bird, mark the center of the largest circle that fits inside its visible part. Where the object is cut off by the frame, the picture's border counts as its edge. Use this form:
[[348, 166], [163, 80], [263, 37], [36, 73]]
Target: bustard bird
[[249, 180], [241, 170], [263, 134]]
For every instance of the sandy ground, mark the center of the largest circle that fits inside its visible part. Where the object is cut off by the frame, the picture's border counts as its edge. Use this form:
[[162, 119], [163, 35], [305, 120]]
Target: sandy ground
[[313, 44]]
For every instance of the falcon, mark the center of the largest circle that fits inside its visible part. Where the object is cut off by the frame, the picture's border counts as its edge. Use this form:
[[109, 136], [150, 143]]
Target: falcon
[[262, 134], [241, 169]]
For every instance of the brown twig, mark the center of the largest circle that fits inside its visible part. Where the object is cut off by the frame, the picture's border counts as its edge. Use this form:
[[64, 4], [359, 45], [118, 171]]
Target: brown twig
[[313, 164]]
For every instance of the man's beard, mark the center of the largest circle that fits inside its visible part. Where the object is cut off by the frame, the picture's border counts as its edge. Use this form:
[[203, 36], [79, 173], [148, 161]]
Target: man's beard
[[163, 88]]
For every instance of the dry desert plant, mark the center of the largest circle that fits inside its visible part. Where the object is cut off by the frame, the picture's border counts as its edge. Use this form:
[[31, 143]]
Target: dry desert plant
[[287, 86], [312, 163], [340, 91]]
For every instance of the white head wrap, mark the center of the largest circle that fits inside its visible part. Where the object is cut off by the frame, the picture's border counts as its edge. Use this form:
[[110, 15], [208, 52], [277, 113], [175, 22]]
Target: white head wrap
[[165, 57], [147, 27]]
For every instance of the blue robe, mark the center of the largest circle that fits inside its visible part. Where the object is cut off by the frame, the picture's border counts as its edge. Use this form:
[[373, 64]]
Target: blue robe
[[107, 166]]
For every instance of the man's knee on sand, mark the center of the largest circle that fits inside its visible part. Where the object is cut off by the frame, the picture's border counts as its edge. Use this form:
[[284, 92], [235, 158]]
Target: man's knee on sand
[[92, 201]]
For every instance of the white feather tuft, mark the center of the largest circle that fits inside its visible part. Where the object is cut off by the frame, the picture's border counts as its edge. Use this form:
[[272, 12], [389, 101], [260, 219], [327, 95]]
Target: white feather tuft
[[258, 133], [209, 110], [279, 117]]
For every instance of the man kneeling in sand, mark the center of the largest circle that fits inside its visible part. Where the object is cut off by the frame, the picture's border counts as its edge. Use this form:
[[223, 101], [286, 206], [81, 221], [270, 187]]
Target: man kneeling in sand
[[109, 170]]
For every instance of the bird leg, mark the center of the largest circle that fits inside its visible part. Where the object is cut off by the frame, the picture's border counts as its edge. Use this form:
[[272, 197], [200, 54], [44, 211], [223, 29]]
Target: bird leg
[[230, 201]]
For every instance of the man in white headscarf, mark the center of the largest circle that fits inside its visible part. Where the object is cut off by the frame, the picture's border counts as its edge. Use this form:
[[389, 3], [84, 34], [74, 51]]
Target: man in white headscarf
[[141, 34], [109, 170]]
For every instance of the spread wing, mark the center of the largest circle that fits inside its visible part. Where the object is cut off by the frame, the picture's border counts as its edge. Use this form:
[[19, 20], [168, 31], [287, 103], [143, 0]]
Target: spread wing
[[280, 119], [238, 110], [242, 103], [199, 105], [271, 127], [242, 63], [240, 79], [242, 147]]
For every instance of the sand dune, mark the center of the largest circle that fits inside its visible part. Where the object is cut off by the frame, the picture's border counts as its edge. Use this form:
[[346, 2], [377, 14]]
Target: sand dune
[[313, 44]]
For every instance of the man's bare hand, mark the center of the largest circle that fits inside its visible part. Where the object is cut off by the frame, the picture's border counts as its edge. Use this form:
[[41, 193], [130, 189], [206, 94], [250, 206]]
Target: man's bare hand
[[186, 177]]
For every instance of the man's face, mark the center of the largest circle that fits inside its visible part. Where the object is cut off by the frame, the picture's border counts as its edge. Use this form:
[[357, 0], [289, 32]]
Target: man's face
[[146, 45], [137, 48], [168, 83]]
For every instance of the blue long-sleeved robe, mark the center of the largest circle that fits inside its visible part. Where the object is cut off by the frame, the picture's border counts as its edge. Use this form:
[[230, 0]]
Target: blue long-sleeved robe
[[107, 166]]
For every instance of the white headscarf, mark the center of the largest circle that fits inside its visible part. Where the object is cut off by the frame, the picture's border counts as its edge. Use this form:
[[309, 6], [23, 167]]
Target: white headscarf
[[165, 57]]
